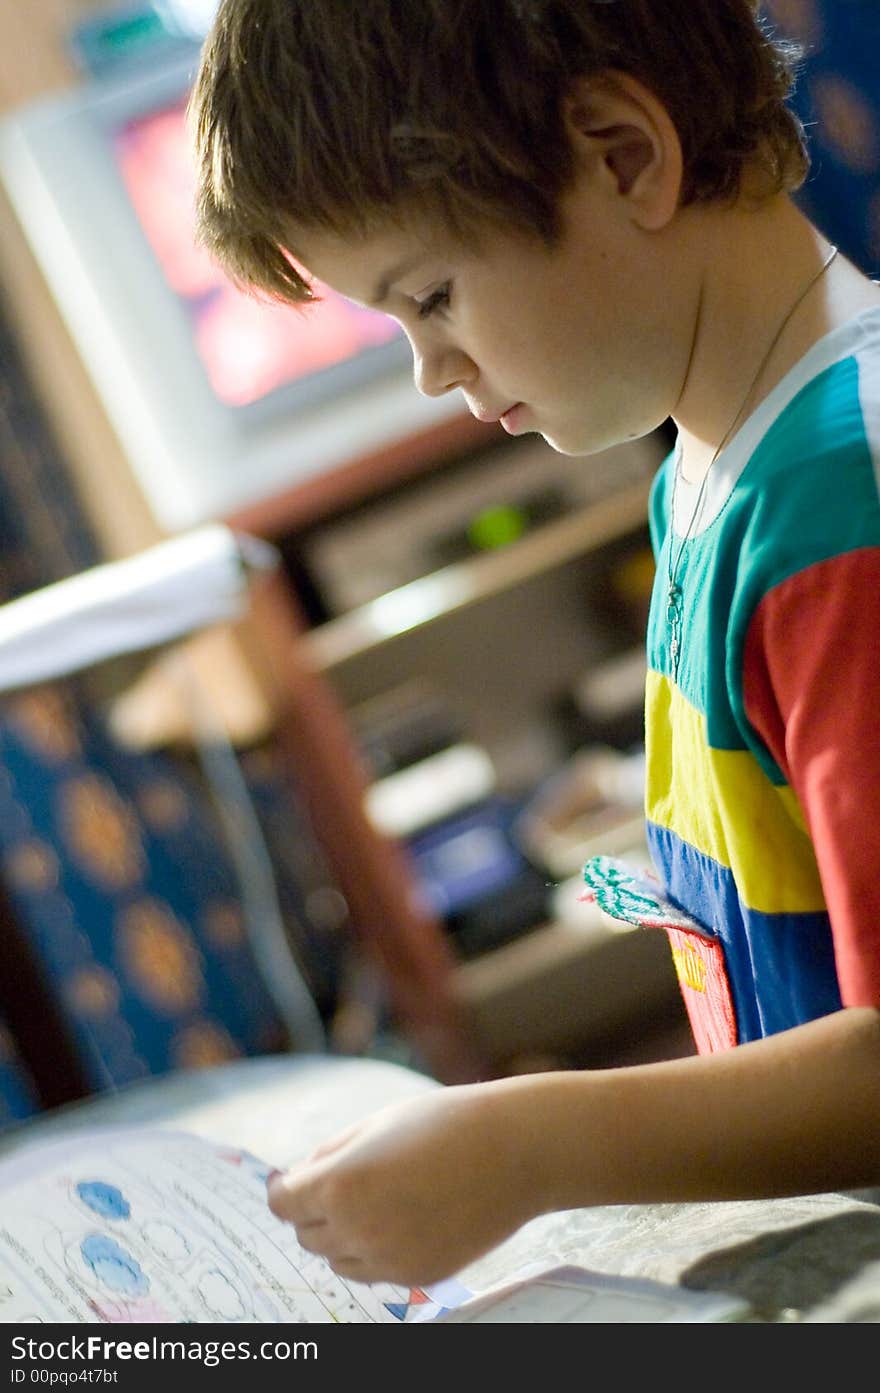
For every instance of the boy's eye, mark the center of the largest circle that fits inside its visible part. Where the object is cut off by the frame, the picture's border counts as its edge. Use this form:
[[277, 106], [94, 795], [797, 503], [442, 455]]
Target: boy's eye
[[437, 300]]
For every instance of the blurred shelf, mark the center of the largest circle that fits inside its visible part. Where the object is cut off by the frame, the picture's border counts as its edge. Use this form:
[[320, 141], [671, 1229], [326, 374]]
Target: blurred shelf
[[561, 988], [463, 583]]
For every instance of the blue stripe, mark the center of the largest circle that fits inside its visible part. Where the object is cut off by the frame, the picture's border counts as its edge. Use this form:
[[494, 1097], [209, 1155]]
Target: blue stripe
[[780, 967]]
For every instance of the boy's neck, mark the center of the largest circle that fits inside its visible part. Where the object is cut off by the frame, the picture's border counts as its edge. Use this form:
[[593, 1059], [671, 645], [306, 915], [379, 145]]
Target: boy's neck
[[754, 266]]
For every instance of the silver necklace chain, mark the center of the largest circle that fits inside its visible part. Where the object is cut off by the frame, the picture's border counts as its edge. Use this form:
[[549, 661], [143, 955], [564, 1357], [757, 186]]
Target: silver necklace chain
[[674, 591]]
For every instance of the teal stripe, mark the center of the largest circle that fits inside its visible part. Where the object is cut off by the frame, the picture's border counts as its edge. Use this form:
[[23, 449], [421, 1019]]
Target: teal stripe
[[792, 507]]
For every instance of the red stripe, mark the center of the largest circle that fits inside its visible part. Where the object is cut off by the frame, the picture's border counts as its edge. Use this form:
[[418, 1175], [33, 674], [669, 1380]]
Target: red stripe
[[811, 687]]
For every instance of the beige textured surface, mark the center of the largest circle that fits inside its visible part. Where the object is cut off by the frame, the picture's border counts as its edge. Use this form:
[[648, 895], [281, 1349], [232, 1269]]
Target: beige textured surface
[[814, 1258]]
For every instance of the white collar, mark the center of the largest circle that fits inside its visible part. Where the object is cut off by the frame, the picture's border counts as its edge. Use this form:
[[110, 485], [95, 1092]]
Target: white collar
[[856, 335]]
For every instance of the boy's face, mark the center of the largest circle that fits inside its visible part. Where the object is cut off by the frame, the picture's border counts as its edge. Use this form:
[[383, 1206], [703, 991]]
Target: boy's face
[[572, 341]]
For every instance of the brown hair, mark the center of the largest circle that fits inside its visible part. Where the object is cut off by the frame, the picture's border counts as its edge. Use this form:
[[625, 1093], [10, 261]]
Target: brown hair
[[330, 114]]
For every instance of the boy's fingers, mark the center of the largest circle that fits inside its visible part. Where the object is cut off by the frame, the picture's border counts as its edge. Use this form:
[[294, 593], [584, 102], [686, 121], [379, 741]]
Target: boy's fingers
[[350, 1267], [288, 1198], [315, 1240]]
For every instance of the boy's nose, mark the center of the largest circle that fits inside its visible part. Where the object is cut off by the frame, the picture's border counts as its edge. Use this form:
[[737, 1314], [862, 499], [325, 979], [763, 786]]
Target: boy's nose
[[442, 371]]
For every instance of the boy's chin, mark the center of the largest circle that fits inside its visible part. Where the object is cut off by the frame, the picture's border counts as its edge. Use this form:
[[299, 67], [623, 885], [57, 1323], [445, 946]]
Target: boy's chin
[[586, 442], [578, 445]]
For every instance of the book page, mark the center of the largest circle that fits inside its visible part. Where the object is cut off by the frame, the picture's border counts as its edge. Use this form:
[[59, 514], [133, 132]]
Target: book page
[[149, 1226], [576, 1295]]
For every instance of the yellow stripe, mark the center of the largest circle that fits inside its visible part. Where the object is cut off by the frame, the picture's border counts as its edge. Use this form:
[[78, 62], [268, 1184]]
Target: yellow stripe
[[723, 805]]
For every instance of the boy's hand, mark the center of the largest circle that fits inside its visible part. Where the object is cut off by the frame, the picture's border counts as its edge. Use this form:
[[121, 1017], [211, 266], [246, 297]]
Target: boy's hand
[[417, 1191]]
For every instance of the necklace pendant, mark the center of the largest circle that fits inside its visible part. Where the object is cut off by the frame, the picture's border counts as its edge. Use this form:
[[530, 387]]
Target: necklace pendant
[[673, 619], [673, 599]]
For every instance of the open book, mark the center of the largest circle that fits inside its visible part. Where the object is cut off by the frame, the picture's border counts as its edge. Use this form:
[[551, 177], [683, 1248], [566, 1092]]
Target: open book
[[127, 1225], [137, 1226]]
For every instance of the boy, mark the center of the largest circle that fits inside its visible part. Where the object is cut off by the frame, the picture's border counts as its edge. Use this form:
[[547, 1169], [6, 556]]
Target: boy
[[580, 213]]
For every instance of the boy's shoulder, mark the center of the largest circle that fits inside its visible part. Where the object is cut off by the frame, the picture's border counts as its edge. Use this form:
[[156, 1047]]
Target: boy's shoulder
[[806, 461], [828, 404], [826, 408], [806, 487]]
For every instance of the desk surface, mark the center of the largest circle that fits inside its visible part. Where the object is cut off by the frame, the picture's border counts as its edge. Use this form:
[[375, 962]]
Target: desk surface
[[814, 1258]]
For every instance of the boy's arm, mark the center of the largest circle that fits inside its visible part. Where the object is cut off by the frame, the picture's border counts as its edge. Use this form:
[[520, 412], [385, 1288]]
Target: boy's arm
[[423, 1188], [794, 1113], [811, 684]]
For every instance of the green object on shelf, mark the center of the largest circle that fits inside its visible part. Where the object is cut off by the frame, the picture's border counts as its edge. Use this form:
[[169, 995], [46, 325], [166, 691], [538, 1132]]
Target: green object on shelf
[[497, 526]]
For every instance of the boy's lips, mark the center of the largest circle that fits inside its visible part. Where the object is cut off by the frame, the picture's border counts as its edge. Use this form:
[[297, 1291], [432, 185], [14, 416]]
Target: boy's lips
[[513, 419], [494, 417]]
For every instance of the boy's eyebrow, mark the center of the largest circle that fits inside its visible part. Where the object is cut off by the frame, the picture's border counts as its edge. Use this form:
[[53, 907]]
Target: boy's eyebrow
[[400, 268]]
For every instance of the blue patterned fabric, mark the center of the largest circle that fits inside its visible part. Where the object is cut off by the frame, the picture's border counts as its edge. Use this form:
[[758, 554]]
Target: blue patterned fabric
[[838, 99], [121, 885], [18, 1092]]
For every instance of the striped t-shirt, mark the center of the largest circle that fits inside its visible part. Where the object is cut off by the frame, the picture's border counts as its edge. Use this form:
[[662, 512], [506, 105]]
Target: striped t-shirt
[[763, 749]]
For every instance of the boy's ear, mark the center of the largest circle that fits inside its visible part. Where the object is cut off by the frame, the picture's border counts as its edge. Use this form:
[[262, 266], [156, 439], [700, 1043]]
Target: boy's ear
[[623, 133]]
